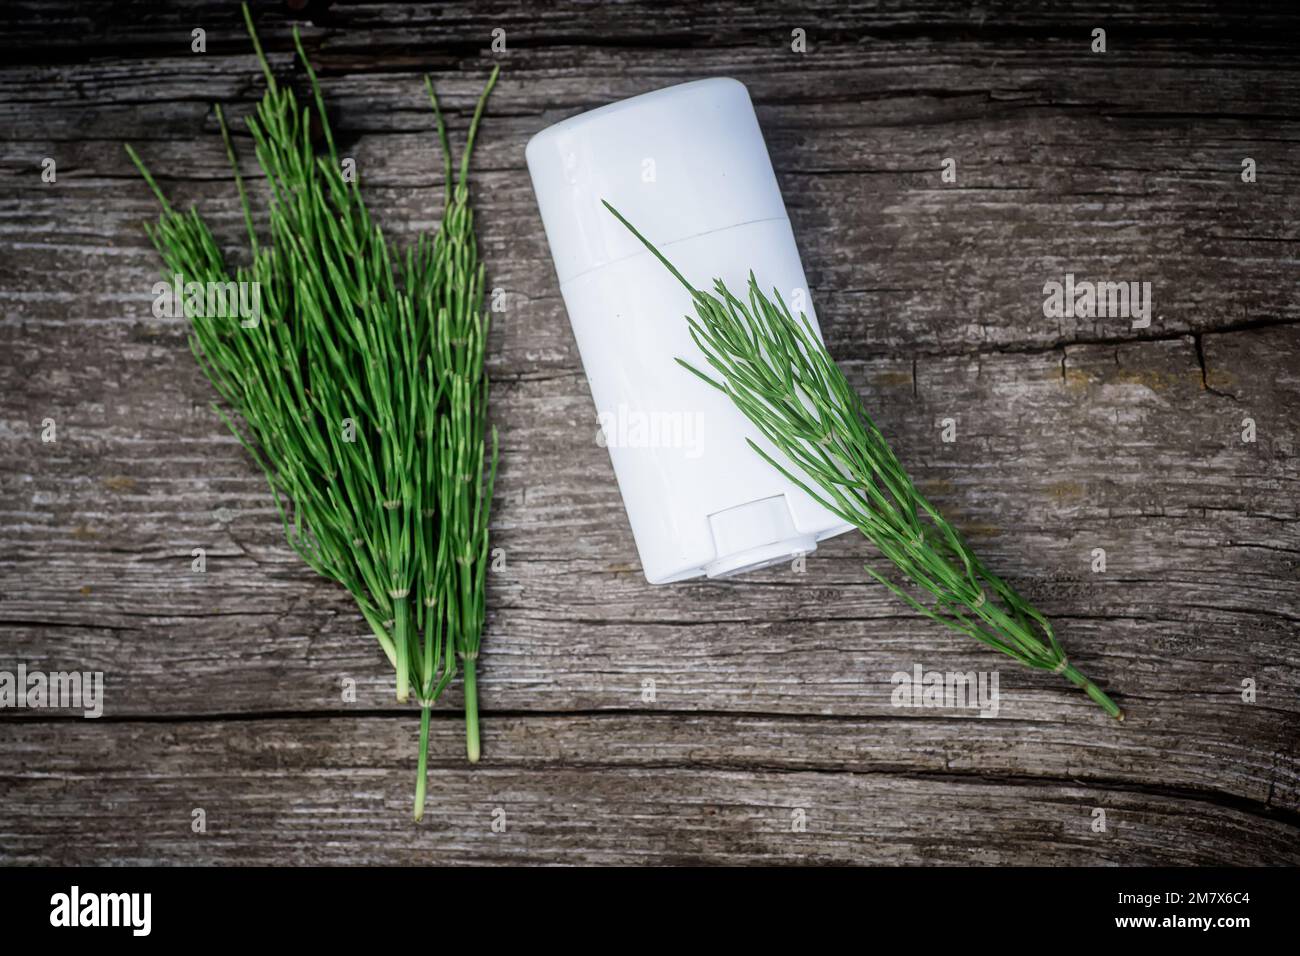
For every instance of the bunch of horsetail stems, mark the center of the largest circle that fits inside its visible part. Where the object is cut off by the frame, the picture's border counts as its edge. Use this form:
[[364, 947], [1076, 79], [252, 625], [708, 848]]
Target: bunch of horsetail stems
[[778, 373], [362, 389]]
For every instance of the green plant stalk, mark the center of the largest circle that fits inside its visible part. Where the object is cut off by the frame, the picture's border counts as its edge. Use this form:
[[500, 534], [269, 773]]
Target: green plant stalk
[[422, 772], [347, 385], [471, 709], [779, 375], [467, 470]]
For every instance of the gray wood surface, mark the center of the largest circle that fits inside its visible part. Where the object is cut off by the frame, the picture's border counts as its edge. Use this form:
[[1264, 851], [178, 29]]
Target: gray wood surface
[[772, 692]]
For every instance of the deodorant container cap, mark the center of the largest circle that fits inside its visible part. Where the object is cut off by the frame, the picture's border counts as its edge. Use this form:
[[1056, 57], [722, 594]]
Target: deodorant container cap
[[688, 166], [698, 145]]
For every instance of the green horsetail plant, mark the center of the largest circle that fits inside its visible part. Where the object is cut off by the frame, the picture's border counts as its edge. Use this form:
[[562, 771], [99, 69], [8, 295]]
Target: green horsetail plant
[[465, 476], [361, 386], [779, 375]]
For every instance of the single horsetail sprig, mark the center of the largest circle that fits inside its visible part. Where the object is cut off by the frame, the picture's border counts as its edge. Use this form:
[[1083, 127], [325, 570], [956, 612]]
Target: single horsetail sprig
[[360, 381], [780, 376]]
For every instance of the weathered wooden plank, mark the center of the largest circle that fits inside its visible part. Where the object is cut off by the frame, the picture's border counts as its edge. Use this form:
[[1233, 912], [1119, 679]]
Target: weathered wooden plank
[[71, 29], [877, 225], [132, 442], [879, 276], [584, 790]]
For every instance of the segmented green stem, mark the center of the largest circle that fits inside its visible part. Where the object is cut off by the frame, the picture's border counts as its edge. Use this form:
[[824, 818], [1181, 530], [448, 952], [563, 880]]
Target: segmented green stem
[[471, 709], [422, 771], [775, 369]]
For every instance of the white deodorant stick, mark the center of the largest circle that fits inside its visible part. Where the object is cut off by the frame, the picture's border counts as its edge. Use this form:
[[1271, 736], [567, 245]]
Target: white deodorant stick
[[688, 167]]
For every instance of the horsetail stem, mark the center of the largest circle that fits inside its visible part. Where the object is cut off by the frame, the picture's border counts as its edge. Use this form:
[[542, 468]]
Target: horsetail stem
[[779, 375], [361, 385]]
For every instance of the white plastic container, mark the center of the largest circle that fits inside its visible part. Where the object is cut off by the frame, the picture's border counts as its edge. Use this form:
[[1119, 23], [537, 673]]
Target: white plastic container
[[688, 167]]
